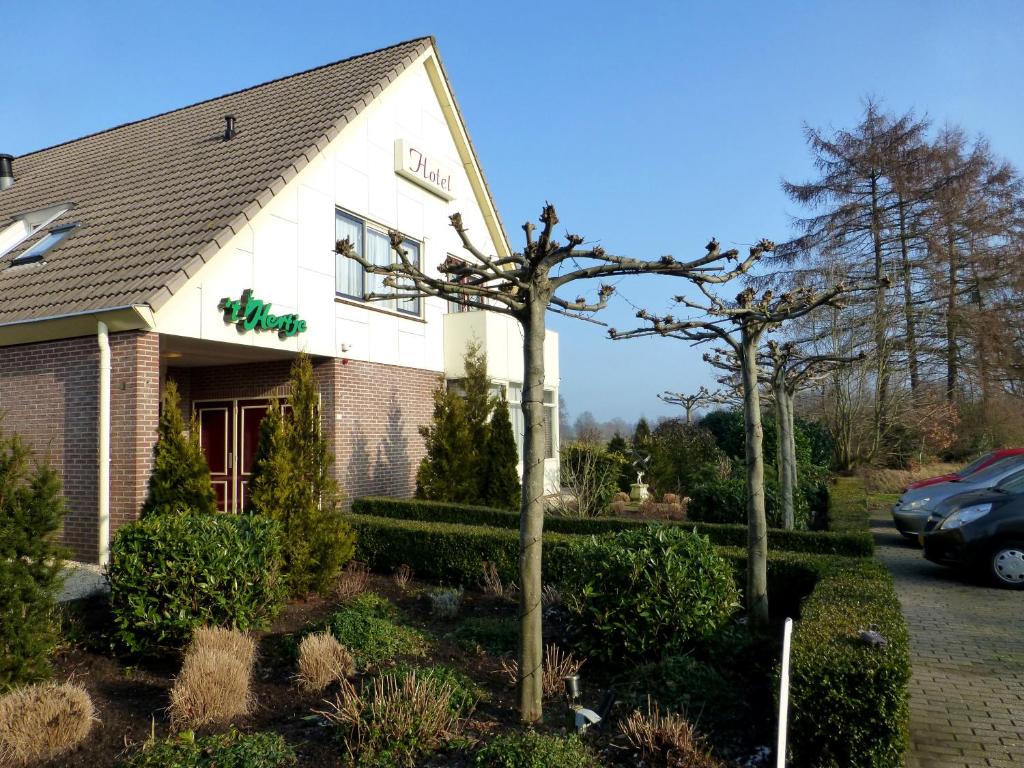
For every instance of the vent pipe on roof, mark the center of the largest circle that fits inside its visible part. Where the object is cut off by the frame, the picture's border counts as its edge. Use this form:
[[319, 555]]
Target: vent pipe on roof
[[6, 172], [229, 127]]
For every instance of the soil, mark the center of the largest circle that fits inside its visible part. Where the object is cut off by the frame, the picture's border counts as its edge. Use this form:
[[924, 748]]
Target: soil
[[131, 695]]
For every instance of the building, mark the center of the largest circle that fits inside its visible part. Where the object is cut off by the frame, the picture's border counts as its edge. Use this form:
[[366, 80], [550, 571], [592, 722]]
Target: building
[[198, 246]]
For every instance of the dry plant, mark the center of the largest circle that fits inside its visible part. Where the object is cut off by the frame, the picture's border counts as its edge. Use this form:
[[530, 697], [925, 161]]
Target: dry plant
[[322, 661], [492, 584], [213, 685], [619, 507], [409, 717], [621, 496], [558, 665], [877, 480], [668, 740], [352, 580], [550, 597], [40, 722], [402, 576]]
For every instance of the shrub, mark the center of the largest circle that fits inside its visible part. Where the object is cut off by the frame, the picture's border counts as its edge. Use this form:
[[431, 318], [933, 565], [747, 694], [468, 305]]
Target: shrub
[[849, 700], [172, 573], [498, 466], [465, 694], [225, 750], [352, 580], [650, 592], [535, 750], [40, 722], [213, 686], [591, 474], [368, 627], [323, 661], [668, 740], [180, 479], [558, 665], [848, 506], [292, 482], [681, 455], [489, 633], [445, 603], [395, 722], [31, 511], [444, 474], [724, 500], [681, 684]]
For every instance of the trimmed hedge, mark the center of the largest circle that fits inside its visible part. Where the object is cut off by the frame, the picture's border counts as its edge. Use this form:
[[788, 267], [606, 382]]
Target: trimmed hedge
[[855, 543], [849, 699], [848, 506]]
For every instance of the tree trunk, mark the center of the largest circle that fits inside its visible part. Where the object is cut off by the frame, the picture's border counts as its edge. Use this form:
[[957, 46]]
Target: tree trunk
[[757, 523], [782, 428], [531, 520], [952, 370], [791, 445], [908, 298], [880, 329]]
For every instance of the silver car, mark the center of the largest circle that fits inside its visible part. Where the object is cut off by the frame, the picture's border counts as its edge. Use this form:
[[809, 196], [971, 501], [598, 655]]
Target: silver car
[[912, 509]]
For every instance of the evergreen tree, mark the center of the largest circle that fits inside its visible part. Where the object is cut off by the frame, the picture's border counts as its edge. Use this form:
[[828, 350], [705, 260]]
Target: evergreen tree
[[293, 483], [476, 389], [445, 474], [642, 434], [180, 479], [498, 466], [31, 511], [618, 444]]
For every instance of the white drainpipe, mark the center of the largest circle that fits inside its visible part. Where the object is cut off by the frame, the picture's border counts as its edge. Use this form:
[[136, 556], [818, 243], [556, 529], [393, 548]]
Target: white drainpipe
[[104, 444]]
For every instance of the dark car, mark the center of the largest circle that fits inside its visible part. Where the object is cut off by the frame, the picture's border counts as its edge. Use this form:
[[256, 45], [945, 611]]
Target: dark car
[[981, 531]]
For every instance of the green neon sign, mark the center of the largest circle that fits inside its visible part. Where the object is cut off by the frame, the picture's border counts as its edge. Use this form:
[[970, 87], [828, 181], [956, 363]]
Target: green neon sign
[[251, 314]]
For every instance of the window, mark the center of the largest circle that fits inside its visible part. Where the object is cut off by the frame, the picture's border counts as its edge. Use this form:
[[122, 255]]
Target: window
[[24, 225], [48, 241], [373, 245], [515, 409]]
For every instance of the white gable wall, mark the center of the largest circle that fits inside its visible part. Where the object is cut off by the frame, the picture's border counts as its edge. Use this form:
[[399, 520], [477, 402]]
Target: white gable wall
[[286, 254]]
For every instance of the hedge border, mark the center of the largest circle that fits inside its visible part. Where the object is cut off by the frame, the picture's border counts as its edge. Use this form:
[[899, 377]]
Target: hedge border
[[851, 543], [848, 507]]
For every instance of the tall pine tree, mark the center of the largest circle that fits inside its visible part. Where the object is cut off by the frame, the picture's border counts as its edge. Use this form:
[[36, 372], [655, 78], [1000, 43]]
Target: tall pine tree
[[445, 474], [180, 480], [499, 459]]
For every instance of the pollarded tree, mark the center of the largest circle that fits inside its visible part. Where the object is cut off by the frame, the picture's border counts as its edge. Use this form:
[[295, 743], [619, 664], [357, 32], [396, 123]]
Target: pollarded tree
[[741, 324], [689, 403], [526, 286], [498, 462], [180, 480]]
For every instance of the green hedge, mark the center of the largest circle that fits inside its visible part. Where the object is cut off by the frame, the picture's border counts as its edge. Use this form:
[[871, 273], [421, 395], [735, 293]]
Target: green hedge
[[849, 700], [854, 543], [848, 506]]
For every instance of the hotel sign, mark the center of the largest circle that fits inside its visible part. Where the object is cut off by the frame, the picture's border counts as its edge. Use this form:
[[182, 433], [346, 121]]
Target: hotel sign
[[251, 314], [421, 167]]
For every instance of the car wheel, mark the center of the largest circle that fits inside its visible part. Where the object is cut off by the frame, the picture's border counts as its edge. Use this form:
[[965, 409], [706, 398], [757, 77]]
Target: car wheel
[[1006, 565]]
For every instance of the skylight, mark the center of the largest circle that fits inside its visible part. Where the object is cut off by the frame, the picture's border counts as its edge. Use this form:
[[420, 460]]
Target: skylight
[[24, 225], [35, 253]]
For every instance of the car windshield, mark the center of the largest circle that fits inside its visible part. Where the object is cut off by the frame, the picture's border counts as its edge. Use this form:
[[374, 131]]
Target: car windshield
[[975, 465], [1012, 484], [995, 471]]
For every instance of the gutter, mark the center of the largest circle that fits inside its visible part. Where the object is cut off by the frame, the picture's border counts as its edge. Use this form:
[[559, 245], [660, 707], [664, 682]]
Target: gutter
[[104, 443]]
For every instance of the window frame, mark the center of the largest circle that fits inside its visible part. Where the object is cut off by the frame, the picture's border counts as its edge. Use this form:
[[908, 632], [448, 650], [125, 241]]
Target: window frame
[[30, 223], [37, 252], [394, 305]]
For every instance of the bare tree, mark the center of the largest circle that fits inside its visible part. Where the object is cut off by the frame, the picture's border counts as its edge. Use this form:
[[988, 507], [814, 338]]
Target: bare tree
[[741, 324], [701, 398], [525, 286]]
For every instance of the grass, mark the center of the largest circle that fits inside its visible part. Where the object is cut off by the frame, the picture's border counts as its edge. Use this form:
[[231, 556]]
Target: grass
[[41, 722], [214, 683]]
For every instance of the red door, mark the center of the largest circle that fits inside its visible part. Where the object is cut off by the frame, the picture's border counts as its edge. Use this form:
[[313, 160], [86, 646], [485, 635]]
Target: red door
[[216, 435], [250, 414]]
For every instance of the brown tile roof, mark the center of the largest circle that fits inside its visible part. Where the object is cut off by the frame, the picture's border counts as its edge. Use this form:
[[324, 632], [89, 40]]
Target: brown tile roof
[[157, 197]]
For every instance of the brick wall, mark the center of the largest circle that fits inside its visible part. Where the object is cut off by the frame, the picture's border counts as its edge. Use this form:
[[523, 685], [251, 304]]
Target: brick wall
[[48, 392], [371, 413]]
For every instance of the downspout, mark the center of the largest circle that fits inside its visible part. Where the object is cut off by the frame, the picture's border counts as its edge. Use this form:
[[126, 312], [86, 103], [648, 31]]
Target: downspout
[[104, 443]]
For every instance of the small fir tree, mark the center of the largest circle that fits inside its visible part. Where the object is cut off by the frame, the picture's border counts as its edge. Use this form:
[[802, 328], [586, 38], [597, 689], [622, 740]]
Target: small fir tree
[[476, 389], [445, 473], [180, 479], [499, 461], [618, 444], [31, 511], [294, 484], [642, 433]]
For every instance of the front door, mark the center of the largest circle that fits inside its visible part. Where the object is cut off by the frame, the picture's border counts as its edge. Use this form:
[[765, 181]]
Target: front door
[[229, 431]]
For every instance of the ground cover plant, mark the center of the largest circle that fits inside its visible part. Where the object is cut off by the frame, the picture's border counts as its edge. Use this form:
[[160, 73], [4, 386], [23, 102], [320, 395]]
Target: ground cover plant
[[228, 750], [369, 627]]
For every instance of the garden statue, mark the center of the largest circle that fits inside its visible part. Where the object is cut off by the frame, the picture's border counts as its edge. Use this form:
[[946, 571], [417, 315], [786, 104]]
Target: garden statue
[[638, 491]]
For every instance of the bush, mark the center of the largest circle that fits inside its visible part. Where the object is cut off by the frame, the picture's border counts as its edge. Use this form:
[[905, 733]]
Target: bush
[[681, 456], [849, 699], [650, 592], [323, 661], [591, 474], [172, 573], [848, 506], [31, 511], [445, 603], [180, 479], [724, 500], [728, 534], [668, 741], [535, 750], [495, 635], [394, 722], [465, 694], [499, 464], [367, 626], [225, 750], [41, 722], [213, 686], [680, 684]]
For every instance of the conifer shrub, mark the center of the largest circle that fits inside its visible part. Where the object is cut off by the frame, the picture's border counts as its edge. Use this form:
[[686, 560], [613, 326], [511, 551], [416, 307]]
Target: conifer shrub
[[172, 573], [499, 461], [180, 479], [444, 473], [31, 511], [292, 482], [650, 592], [233, 749]]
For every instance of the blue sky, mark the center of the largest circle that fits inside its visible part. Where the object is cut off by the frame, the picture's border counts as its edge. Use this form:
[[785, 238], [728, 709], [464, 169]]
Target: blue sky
[[651, 130]]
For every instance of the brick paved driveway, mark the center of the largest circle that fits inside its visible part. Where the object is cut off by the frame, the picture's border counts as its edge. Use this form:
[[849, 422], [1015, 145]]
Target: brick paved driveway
[[967, 642]]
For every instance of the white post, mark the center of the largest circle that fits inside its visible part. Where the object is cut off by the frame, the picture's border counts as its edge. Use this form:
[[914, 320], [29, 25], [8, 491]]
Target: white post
[[104, 444], [780, 748]]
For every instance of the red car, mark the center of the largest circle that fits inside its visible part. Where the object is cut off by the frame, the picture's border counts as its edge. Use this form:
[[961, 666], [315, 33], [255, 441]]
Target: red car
[[979, 463]]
